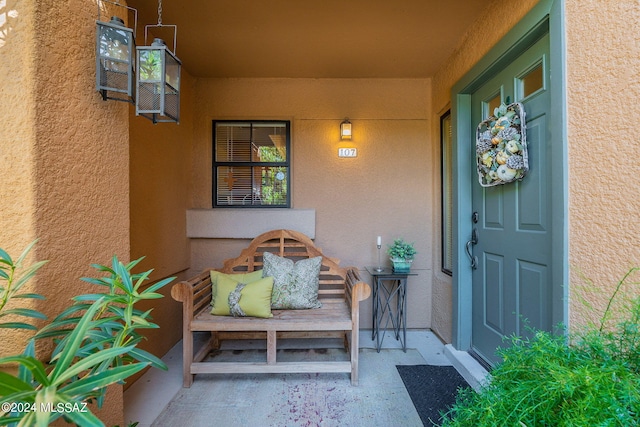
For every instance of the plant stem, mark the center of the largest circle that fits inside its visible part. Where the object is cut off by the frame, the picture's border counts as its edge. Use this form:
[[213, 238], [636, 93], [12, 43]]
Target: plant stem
[[605, 316]]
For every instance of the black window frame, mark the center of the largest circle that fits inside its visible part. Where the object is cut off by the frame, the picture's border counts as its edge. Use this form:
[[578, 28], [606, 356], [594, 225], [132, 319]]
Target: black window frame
[[216, 164]]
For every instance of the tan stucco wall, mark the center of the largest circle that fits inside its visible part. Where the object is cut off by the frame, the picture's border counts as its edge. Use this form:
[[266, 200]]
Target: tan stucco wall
[[160, 179], [17, 139], [387, 190], [65, 156], [500, 17], [604, 191]]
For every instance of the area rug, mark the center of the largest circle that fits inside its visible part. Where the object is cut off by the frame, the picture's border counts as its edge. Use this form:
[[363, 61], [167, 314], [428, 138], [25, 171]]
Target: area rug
[[327, 400], [432, 389]]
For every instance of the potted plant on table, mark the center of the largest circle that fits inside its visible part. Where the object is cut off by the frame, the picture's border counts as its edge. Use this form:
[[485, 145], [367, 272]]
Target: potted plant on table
[[401, 254]]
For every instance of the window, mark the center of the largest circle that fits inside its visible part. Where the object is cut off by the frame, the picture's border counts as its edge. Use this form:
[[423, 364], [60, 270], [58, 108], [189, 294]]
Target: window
[[447, 192], [532, 81], [251, 163], [489, 106]]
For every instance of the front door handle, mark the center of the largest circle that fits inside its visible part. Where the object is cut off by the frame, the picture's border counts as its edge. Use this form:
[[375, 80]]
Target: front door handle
[[473, 241]]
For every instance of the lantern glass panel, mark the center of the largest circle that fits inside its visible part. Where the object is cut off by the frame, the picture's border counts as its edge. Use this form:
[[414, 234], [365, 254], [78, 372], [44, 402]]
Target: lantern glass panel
[[150, 65], [172, 74]]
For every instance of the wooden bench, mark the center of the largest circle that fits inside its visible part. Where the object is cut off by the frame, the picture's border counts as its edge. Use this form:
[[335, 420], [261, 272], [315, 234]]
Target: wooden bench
[[341, 291]]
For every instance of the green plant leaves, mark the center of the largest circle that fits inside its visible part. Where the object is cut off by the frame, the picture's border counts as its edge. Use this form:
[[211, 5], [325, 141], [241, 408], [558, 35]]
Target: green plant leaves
[[26, 312], [10, 384], [75, 340], [401, 249], [95, 343], [91, 383], [30, 363], [543, 381], [13, 276]]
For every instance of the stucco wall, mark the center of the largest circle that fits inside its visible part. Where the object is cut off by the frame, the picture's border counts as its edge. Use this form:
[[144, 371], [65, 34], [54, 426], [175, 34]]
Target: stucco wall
[[499, 17], [17, 139], [160, 175], [604, 193], [69, 156], [386, 190]]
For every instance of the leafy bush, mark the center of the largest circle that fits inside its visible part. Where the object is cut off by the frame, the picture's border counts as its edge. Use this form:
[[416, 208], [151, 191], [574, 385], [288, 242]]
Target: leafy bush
[[401, 249], [542, 381], [12, 278], [95, 341]]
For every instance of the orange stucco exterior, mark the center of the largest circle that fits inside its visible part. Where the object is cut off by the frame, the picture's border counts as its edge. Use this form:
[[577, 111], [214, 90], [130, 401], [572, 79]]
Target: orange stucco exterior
[[604, 192], [89, 179], [64, 156]]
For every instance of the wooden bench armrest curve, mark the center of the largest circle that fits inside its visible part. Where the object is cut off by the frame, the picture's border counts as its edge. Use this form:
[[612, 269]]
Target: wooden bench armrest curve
[[194, 294], [186, 287], [358, 289], [181, 290]]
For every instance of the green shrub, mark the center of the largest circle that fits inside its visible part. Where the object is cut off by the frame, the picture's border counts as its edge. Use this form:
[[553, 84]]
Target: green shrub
[[13, 276], [95, 341], [542, 381]]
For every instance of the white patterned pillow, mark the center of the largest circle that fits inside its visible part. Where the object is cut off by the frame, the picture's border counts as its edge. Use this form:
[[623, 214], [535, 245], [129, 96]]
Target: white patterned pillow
[[295, 285]]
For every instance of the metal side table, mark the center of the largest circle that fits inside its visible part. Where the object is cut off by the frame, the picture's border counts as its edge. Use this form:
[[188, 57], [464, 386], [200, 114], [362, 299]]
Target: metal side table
[[389, 304]]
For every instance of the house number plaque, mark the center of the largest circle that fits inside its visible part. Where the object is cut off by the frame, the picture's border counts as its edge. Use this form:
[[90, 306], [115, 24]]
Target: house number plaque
[[347, 152]]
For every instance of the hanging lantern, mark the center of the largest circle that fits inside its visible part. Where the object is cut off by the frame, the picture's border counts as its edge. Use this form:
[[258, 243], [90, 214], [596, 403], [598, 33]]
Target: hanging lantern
[[158, 83], [158, 78], [115, 45]]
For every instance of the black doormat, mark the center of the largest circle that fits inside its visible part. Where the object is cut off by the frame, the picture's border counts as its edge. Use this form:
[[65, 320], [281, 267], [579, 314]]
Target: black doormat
[[432, 389]]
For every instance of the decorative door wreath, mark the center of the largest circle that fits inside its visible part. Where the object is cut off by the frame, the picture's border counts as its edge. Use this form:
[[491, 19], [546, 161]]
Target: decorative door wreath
[[501, 146]]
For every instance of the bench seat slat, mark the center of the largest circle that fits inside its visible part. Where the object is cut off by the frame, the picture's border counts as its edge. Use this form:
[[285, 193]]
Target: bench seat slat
[[331, 317]]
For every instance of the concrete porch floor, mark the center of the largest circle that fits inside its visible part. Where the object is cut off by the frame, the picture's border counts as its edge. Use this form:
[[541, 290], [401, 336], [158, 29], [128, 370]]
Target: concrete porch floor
[[148, 396]]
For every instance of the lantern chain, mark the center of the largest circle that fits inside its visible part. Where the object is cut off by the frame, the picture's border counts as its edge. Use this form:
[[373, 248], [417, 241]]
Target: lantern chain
[[160, 13]]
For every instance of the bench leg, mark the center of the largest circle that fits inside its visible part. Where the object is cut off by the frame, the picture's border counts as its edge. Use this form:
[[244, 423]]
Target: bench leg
[[271, 347], [187, 358], [215, 341], [354, 356]]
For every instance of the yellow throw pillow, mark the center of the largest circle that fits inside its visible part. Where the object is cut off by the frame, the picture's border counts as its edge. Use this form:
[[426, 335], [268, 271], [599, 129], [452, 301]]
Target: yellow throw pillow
[[238, 277], [255, 298]]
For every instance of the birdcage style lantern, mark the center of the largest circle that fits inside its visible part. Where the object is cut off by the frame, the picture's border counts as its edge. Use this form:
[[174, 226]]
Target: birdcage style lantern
[[115, 47], [158, 77], [158, 83]]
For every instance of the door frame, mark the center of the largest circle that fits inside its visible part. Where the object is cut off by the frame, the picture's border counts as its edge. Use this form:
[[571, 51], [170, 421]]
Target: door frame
[[546, 16]]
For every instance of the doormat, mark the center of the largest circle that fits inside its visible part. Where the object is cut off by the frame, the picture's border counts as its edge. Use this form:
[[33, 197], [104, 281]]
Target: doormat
[[433, 389]]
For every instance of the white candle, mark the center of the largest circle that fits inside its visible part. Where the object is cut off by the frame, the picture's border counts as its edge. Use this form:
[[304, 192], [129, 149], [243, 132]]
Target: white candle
[[379, 240]]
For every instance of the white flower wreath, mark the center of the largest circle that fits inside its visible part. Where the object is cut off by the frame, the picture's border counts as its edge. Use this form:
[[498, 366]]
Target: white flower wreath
[[501, 146]]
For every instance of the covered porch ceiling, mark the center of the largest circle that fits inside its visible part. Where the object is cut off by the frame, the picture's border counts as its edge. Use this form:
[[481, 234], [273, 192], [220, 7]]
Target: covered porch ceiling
[[312, 39]]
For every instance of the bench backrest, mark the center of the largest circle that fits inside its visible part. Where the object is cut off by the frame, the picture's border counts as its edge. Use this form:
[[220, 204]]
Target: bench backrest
[[295, 246]]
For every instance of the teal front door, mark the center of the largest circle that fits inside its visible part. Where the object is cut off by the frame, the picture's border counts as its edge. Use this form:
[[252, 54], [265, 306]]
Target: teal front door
[[512, 275]]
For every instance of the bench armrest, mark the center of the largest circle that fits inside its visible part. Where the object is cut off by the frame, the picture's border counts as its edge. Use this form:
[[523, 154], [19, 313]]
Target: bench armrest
[[194, 294], [355, 289]]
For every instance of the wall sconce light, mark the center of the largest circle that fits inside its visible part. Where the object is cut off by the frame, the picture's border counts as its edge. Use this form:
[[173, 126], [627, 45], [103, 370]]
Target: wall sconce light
[[115, 44], [158, 78], [345, 129]]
